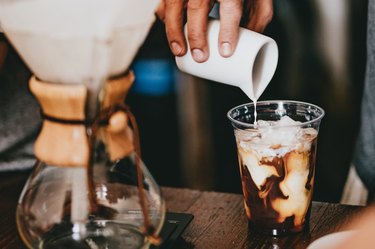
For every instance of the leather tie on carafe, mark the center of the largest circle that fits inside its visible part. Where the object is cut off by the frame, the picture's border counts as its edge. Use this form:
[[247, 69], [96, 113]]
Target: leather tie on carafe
[[112, 124]]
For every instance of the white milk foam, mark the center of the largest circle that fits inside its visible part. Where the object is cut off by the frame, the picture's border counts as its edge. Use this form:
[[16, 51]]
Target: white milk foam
[[276, 138]]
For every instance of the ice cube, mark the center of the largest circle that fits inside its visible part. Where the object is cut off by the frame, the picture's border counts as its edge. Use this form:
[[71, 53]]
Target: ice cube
[[286, 121]]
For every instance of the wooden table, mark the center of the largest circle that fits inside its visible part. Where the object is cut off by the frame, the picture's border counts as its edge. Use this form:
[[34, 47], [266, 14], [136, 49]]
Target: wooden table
[[219, 219]]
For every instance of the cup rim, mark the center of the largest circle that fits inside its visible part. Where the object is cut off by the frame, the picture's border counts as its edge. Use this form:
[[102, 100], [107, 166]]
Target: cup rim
[[267, 102]]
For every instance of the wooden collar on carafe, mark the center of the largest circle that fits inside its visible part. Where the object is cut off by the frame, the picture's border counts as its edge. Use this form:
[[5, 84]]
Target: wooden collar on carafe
[[116, 134], [63, 139]]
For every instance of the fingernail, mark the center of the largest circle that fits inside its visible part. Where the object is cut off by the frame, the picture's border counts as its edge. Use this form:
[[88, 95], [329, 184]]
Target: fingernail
[[226, 49], [177, 49], [198, 55]]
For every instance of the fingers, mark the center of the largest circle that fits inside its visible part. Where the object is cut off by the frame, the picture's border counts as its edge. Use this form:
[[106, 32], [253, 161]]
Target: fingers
[[172, 13], [230, 17], [261, 15], [160, 11], [197, 16], [174, 25]]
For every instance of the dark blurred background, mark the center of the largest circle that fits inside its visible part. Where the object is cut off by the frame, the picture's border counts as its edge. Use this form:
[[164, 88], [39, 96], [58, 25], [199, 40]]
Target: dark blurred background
[[186, 138]]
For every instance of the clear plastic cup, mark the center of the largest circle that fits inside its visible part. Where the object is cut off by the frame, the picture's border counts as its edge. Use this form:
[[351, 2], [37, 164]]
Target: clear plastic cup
[[277, 162]]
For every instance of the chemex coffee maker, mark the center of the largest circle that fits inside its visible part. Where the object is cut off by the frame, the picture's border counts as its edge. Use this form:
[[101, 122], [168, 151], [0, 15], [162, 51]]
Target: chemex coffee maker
[[89, 187]]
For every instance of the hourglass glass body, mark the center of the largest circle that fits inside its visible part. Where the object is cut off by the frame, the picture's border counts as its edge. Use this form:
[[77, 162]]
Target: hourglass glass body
[[89, 188]]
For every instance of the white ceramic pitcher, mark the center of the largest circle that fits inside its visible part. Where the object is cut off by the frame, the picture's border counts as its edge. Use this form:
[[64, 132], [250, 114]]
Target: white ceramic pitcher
[[251, 67]]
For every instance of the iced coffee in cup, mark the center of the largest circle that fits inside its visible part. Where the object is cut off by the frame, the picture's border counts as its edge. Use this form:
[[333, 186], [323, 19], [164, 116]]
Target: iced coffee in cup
[[276, 151]]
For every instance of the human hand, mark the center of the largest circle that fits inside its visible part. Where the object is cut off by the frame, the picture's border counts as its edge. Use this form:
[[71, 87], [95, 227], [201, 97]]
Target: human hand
[[173, 12]]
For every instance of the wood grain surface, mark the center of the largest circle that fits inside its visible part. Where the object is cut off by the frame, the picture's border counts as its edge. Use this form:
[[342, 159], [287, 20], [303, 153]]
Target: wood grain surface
[[219, 219]]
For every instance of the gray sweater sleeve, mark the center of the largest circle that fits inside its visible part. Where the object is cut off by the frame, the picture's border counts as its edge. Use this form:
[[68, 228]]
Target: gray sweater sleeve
[[364, 156], [19, 117]]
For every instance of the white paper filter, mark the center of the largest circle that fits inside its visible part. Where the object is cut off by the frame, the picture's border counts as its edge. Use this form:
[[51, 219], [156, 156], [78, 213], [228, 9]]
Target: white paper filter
[[75, 41]]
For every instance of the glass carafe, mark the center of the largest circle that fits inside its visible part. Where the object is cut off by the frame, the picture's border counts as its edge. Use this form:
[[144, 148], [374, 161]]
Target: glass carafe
[[89, 188]]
